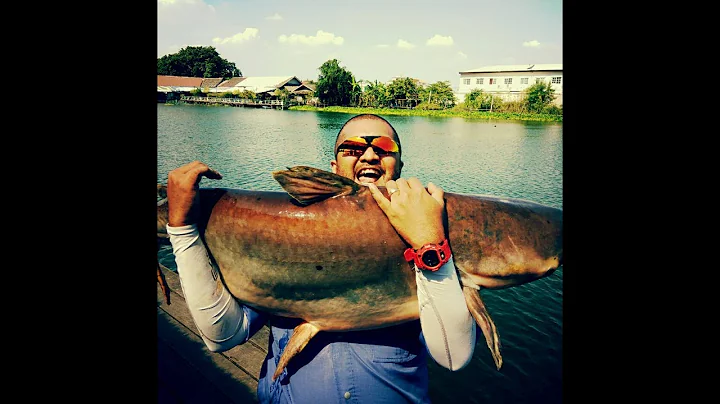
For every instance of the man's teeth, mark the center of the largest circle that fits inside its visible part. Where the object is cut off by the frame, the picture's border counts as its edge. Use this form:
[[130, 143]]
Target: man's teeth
[[368, 173]]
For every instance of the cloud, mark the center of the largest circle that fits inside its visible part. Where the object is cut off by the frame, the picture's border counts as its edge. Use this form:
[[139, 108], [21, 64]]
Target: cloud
[[531, 44], [274, 17], [321, 38], [167, 2], [401, 43], [462, 55], [246, 35], [439, 40]]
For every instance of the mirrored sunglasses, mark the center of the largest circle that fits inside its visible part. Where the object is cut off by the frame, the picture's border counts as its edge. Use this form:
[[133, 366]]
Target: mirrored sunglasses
[[356, 146]]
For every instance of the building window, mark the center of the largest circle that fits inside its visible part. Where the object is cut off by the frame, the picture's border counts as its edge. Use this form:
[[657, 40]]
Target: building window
[[493, 81], [466, 81], [508, 80], [478, 81], [539, 80], [524, 80], [556, 80]]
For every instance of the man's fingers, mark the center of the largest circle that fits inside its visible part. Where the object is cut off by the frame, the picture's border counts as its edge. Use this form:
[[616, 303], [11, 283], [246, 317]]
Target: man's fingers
[[197, 168], [383, 202], [203, 170], [402, 185], [436, 192]]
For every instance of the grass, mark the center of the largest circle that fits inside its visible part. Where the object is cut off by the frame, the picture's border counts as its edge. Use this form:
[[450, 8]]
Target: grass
[[447, 113]]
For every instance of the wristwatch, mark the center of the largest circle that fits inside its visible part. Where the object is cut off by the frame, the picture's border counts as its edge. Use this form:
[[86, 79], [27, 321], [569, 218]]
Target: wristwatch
[[430, 257]]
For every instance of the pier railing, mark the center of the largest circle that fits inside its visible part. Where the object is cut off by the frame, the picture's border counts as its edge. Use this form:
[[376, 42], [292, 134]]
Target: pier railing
[[234, 101]]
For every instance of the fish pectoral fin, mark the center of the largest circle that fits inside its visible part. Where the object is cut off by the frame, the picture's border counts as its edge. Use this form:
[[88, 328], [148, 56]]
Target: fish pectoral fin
[[482, 318], [466, 281], [301, 336], [308, 185]]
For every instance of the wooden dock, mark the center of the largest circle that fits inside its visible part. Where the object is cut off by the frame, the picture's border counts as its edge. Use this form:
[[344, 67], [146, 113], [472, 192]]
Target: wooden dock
[[234, 102], [190, 373]]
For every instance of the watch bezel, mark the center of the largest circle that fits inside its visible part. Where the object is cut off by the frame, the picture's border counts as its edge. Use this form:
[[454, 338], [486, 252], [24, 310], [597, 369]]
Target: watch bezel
[[441, 249]]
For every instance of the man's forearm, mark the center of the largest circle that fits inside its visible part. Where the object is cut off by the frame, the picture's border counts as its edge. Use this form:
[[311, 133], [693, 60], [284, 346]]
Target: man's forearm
[[221, 320], [447, 326]]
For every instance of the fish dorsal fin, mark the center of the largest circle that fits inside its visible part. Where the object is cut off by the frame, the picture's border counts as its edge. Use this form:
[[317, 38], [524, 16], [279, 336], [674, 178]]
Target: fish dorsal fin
[[308, 185]]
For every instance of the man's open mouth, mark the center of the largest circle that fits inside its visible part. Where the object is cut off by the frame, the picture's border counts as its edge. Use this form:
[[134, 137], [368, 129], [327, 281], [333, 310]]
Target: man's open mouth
[[368, 175]]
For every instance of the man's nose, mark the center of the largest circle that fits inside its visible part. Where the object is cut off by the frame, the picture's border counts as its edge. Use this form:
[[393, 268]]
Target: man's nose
[[369, 155]]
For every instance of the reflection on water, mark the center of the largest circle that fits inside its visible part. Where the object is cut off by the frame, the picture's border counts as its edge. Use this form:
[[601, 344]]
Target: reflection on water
[[514, 159]]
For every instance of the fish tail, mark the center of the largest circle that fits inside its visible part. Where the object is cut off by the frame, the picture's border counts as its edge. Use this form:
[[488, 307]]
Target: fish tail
[[308, 185], [301, 336], [482, 318]]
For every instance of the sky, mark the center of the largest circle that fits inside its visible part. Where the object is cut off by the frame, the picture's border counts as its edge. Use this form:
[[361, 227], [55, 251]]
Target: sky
[[374, 40]]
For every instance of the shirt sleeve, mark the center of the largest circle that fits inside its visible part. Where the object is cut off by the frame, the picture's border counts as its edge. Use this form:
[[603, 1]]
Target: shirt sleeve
[[222, 321], [448, 328]]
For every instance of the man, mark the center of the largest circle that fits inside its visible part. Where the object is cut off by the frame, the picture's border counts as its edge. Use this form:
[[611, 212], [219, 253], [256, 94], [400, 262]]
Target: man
[[373, 366]]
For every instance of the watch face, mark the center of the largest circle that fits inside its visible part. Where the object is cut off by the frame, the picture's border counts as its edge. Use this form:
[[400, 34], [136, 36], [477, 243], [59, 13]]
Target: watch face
[[430, 258]]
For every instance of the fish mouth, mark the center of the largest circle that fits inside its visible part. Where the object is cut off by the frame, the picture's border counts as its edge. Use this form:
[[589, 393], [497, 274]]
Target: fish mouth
[[368, 175]]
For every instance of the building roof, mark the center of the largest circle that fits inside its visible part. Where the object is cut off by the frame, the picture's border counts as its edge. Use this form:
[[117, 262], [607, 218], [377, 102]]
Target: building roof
[[261, 84], [211, 82], [179, 81], [231, 82], [301, 89], [515, 68]]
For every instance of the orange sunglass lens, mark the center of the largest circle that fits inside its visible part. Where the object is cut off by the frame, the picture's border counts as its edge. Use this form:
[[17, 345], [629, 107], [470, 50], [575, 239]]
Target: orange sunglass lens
[[386, 144], [382, 142]]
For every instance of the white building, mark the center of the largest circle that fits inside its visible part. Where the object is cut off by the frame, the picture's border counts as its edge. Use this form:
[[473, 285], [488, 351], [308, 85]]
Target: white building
[[509, 81]]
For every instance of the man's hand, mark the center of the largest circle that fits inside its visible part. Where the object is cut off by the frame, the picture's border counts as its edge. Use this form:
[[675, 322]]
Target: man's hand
[[415, 213], [182, 191]]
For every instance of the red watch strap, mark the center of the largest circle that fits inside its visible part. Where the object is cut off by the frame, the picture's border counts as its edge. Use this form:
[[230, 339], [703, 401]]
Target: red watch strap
[[442, 248]]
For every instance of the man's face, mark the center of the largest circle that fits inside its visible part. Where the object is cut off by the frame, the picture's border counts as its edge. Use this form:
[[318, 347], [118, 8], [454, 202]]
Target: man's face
[[370, 166]]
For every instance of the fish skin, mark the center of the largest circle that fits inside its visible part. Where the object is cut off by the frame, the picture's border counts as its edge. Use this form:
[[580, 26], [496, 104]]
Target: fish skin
[[328, 255]]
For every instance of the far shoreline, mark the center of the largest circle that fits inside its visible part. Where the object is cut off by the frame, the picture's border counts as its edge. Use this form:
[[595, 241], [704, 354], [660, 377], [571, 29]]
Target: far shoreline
[[447, 113]]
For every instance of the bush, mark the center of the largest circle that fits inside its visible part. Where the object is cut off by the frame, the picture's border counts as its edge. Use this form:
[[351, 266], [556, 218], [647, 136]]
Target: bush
[[517, 107], [539, 96], [553, 110]]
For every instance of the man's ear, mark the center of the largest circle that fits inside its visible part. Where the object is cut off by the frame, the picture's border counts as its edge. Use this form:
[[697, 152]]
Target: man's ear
[[333, 166]]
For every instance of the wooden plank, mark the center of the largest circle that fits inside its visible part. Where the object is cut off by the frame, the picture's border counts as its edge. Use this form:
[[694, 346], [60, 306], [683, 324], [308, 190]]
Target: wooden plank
[[231, 374], [180, 382], [188, 370]]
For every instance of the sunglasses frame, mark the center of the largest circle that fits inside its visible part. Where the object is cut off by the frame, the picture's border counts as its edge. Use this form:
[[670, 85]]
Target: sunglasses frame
[[368, 143]]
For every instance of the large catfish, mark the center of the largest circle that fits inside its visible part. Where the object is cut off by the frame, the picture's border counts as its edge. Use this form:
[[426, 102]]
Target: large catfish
[[324, 252]]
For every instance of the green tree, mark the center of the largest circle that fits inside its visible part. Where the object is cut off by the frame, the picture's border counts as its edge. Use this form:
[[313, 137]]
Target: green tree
[[197, 61], [334, 86], [477, 99], [283, 94], [539, 96], [404, 88], [247, 94], [438, 95]]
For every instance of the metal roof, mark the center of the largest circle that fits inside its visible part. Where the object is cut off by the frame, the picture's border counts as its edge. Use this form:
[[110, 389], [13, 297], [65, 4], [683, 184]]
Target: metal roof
[[267, 83], [516, 68]]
